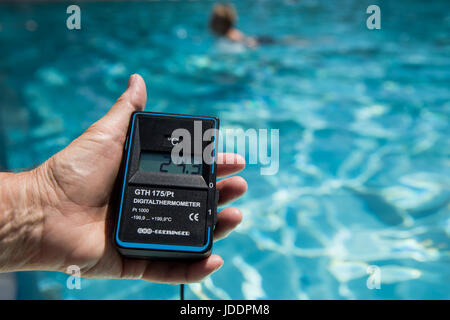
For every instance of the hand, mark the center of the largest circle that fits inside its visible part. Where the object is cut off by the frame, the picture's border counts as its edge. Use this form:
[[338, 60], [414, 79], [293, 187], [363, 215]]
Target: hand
[[74, 193]]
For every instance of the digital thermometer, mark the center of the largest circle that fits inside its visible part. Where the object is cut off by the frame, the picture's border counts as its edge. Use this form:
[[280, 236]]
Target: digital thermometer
[[168, 200]]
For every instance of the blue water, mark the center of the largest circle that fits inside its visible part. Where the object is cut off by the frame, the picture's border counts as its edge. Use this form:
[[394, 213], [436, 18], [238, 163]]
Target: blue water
[[363, 116]]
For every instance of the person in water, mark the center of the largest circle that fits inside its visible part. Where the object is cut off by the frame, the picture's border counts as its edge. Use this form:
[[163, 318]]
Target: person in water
[[222, 23]]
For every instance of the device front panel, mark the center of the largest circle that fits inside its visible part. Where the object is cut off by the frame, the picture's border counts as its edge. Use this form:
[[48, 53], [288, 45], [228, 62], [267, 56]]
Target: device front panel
[[167, 203]]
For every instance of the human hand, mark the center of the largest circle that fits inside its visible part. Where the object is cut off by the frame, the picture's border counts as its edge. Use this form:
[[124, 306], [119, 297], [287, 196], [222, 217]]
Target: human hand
[[69, 219]]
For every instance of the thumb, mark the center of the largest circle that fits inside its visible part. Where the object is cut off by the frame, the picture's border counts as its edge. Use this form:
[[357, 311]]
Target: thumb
[[133, 99]]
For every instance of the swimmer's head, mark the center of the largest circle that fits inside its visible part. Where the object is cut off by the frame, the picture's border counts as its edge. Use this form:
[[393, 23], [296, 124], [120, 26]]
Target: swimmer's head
[[223, 18]]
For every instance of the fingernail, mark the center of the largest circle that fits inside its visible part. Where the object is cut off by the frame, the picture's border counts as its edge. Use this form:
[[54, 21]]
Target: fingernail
[[219, 266], [131, 80]]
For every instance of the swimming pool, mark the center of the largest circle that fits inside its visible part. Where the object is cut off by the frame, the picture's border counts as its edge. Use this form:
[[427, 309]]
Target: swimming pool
[[363, 115]]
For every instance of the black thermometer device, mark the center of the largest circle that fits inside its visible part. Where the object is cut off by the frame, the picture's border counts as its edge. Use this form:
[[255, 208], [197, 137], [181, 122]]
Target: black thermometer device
[[168, 200]]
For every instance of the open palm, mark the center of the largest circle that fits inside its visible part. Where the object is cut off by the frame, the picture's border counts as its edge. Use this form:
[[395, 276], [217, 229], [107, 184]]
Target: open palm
[[79, 221]]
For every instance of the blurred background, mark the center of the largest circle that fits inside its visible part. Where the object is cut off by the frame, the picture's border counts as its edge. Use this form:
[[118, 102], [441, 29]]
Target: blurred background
[[363, 116]]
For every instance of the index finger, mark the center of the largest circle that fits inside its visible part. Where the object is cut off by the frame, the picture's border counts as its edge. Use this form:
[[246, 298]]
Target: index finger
[[229, 163]]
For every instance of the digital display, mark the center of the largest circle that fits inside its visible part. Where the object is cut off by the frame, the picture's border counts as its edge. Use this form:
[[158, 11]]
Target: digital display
[[162, 162]]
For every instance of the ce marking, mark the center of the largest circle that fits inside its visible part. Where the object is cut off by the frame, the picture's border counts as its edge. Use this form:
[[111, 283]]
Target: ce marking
[[193, 216]]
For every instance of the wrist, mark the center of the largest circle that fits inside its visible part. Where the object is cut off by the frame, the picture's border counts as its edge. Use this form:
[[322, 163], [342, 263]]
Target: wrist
[[21, 219]]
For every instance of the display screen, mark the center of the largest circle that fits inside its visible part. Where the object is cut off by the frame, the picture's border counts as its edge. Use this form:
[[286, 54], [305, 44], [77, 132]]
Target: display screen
[[162, 162]]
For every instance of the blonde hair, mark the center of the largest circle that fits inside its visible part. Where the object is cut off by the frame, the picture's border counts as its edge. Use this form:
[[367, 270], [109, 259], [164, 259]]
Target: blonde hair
[[223, 18]]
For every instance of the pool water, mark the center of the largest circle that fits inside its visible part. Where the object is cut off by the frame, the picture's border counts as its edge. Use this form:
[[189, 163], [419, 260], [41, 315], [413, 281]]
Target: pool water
[[364, 176]]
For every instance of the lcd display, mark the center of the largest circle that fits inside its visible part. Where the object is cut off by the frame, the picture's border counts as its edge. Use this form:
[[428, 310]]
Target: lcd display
[[162, 162]]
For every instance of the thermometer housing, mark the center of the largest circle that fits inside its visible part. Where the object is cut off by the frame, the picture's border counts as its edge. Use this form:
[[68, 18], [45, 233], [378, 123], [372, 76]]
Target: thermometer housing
[[167, 203]]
